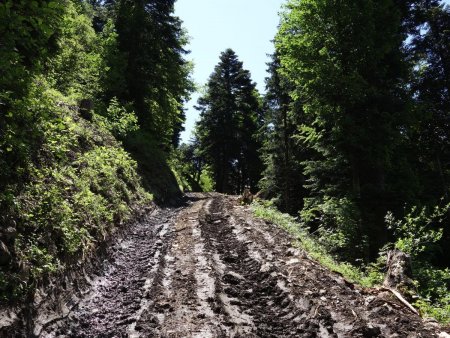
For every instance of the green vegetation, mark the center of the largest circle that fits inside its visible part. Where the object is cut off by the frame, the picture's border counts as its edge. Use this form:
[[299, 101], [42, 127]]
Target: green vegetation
[[353, 133], [313, 246], [351, 84], [416, 235], [153, 166], [75, 132], [230, 118], [81, 186], [357, 131], [118, 120], [283, 177], [191, 171], [433, 297]]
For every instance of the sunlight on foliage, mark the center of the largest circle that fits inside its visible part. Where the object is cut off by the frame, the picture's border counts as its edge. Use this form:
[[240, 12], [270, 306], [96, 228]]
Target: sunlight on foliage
[[85, 186], [418, 235], [414, 232], [313, 247], [117, 119]]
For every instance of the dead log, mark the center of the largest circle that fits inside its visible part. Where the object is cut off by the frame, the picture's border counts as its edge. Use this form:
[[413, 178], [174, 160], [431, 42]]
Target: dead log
[[401, 299], [399, 271], [398, 279]]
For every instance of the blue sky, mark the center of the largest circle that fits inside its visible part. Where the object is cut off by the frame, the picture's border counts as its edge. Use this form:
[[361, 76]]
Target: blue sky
[[246, 26]]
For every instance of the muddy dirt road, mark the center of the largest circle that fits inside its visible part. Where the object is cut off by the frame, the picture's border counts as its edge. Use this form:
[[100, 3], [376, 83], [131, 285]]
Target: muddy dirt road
[[211, 270]]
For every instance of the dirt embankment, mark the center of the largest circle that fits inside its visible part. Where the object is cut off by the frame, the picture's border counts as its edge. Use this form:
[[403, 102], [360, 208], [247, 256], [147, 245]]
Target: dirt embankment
[[212, 270]]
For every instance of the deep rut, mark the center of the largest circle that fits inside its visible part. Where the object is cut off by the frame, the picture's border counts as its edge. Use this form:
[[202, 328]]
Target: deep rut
[[122, 289], [212, 270]]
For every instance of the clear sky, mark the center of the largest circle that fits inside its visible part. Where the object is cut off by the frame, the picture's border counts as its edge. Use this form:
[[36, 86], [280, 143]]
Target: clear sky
[[246, 26]]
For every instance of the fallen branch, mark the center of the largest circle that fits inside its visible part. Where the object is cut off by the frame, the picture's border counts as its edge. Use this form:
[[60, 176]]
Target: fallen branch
[[401, 299], [316, 310]]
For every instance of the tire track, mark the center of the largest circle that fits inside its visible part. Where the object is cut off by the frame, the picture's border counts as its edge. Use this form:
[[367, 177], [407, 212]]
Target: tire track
[[120, 292], [211, 270], [248, 281]]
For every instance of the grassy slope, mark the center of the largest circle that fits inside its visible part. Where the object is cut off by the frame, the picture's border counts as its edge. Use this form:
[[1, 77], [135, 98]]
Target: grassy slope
[[79, 188]]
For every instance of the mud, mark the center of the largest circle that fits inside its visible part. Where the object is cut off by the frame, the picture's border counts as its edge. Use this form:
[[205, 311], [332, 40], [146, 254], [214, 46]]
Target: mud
[[212, 270]]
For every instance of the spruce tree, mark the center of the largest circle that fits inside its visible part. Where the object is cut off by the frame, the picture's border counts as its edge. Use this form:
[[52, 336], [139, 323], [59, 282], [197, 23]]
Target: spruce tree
[[230, 117], [431, 49], [28, 36], [283, 175], [156, 73]]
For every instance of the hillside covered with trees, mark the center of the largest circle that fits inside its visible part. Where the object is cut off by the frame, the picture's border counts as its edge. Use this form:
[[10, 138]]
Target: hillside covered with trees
[[91, 104]]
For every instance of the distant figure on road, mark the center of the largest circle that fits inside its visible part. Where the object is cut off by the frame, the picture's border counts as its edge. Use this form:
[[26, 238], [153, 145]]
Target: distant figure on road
[[247, 196]]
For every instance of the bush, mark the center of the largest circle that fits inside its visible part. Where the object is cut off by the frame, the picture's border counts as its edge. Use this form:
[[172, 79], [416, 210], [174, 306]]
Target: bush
[[76, 187], [117, 119], [418, 234], [433, 286], [336, 223]]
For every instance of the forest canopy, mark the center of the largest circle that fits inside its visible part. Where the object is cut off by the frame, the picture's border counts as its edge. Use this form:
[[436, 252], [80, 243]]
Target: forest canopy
[[91, 105]]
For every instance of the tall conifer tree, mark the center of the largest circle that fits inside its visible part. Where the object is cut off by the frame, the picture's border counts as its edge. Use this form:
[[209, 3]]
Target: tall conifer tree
[[346, 62], [156, 73], [227, 130], [283, 176], [430, 49]]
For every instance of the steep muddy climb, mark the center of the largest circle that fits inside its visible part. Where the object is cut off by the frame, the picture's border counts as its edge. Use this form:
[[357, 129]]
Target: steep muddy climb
[[211, 269]]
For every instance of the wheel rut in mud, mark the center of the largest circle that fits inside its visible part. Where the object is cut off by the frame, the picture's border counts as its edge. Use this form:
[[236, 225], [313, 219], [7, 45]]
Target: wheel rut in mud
[[211, 269]]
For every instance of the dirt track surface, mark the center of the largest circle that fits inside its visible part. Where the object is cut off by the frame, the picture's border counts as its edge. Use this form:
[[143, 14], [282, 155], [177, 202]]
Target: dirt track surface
[[212, 270]]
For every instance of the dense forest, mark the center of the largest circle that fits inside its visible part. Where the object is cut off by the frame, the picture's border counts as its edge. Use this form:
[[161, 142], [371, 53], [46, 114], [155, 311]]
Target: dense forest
[[351, 136]]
